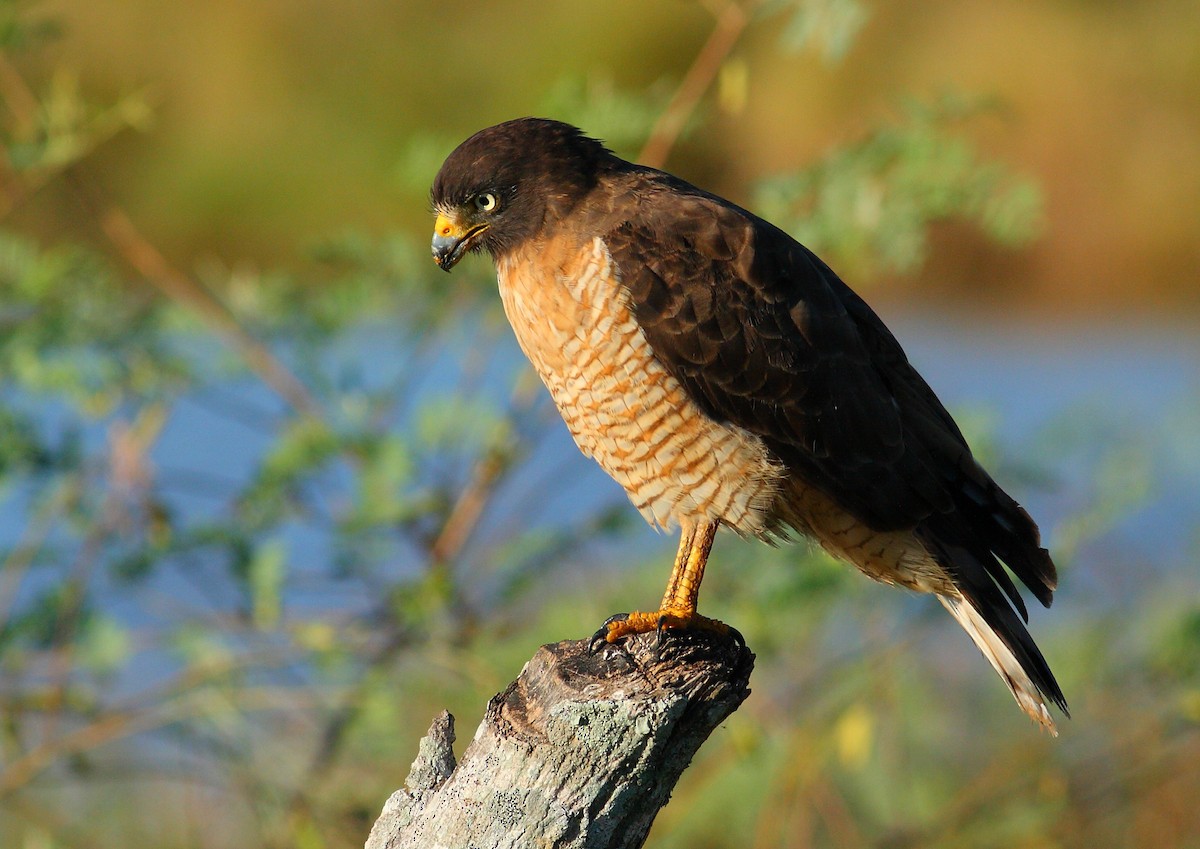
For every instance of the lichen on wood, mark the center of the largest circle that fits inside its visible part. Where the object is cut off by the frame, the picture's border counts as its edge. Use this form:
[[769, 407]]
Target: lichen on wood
[[581, 751]]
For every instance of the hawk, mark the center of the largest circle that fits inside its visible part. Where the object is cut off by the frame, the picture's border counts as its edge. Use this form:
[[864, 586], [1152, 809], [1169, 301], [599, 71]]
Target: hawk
[[726, 377]]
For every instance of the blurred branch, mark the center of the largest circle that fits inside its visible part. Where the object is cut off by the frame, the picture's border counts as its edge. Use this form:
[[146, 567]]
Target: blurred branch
[[465, 513], [486, 476], [186, 696], [58, 126], [731, 22], [153, 266], [460, 522], [33, 536], [109, 726], [113, 725], [23, 106], [146, 259], [334, 730], [53, 820], [21, 101]]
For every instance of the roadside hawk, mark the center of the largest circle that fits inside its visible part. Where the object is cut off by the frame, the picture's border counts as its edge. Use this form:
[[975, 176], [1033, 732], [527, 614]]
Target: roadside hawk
[[725, 376]]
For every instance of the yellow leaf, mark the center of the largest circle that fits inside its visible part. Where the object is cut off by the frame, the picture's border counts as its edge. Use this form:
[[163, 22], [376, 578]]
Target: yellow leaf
[[733, 85], [854, 735]]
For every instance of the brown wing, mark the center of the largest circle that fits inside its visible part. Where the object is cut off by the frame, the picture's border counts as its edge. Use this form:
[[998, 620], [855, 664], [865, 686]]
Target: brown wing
[[765, 335]]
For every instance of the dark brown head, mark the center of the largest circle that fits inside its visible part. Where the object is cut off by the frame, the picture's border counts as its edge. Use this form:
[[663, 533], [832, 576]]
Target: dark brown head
[[503, 184]]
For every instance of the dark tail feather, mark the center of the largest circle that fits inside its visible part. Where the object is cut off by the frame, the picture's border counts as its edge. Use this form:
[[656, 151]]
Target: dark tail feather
[[985, 614], [1001, 525]]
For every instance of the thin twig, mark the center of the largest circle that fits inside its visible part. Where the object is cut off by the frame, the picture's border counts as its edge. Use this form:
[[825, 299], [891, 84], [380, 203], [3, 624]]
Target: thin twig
[[20, 99], [181, 698], [149, 261], [108, 727], [469, 507], [151, 264], [55, 820], [335, 730], [23, 106], [116, 725], [731, 22], [34, 535], [129, 448]]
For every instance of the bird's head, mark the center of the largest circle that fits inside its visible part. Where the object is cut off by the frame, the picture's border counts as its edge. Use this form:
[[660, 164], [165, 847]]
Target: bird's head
[[501, 186]]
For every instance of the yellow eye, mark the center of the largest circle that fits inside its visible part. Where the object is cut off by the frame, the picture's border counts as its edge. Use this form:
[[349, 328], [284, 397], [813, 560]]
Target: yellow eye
[[487, 202]]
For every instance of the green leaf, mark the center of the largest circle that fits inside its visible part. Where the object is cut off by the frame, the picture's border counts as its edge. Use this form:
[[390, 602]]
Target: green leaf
[[470, 424], [104, 644], [202, 647], [826, 26], [303, 448], [265, 576], [869, 205], [386, 471], [622, 118]]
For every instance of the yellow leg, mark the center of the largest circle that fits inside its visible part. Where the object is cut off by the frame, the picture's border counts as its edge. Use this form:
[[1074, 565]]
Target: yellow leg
[[681, 559], [678, 608]]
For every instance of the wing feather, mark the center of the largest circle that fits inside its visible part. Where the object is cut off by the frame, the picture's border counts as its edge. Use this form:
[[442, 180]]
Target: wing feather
[[764, 335]]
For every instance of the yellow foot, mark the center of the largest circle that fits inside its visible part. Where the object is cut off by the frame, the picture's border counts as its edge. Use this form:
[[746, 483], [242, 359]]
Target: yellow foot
[[624, 624]]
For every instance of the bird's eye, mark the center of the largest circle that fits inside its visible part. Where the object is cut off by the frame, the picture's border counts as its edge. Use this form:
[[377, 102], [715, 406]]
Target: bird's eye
[[487, 202]]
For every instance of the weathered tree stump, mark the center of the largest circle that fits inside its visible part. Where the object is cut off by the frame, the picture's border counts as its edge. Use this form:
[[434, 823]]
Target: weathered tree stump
[[580, 752]]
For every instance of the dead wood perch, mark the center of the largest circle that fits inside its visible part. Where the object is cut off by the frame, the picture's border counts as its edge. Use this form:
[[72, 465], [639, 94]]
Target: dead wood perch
[[580, 752]]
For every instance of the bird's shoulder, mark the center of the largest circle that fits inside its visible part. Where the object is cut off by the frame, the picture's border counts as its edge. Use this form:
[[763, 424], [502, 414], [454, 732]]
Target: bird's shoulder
[[765, 335], [695, 242], [713, 284]]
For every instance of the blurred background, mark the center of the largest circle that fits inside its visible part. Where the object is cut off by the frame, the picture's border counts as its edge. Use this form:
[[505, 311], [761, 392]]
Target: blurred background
[[275, 490]]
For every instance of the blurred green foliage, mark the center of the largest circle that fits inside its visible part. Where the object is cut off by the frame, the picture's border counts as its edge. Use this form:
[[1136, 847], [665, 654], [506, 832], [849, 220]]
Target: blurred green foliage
[[869, 205], [228, 609]]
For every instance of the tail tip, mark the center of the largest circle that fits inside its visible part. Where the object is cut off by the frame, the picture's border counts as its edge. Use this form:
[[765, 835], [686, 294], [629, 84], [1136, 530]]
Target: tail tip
[[1040, 714]]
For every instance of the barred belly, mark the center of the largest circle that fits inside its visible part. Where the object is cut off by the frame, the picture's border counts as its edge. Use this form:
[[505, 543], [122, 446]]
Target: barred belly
[[572, 319]]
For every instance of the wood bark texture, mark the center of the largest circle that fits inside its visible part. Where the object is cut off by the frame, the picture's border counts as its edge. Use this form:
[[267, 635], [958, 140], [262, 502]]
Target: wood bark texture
[[580, 752]]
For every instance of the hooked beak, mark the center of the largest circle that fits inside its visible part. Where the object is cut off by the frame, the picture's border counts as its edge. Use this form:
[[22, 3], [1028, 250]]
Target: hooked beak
[[451, 240]]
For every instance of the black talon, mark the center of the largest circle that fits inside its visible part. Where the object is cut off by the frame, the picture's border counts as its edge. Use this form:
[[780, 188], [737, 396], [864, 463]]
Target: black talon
[[659, 629], [737, 636], [600, 638]]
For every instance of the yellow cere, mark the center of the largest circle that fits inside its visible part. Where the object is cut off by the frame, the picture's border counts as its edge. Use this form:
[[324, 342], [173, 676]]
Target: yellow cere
[[444, 226]]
